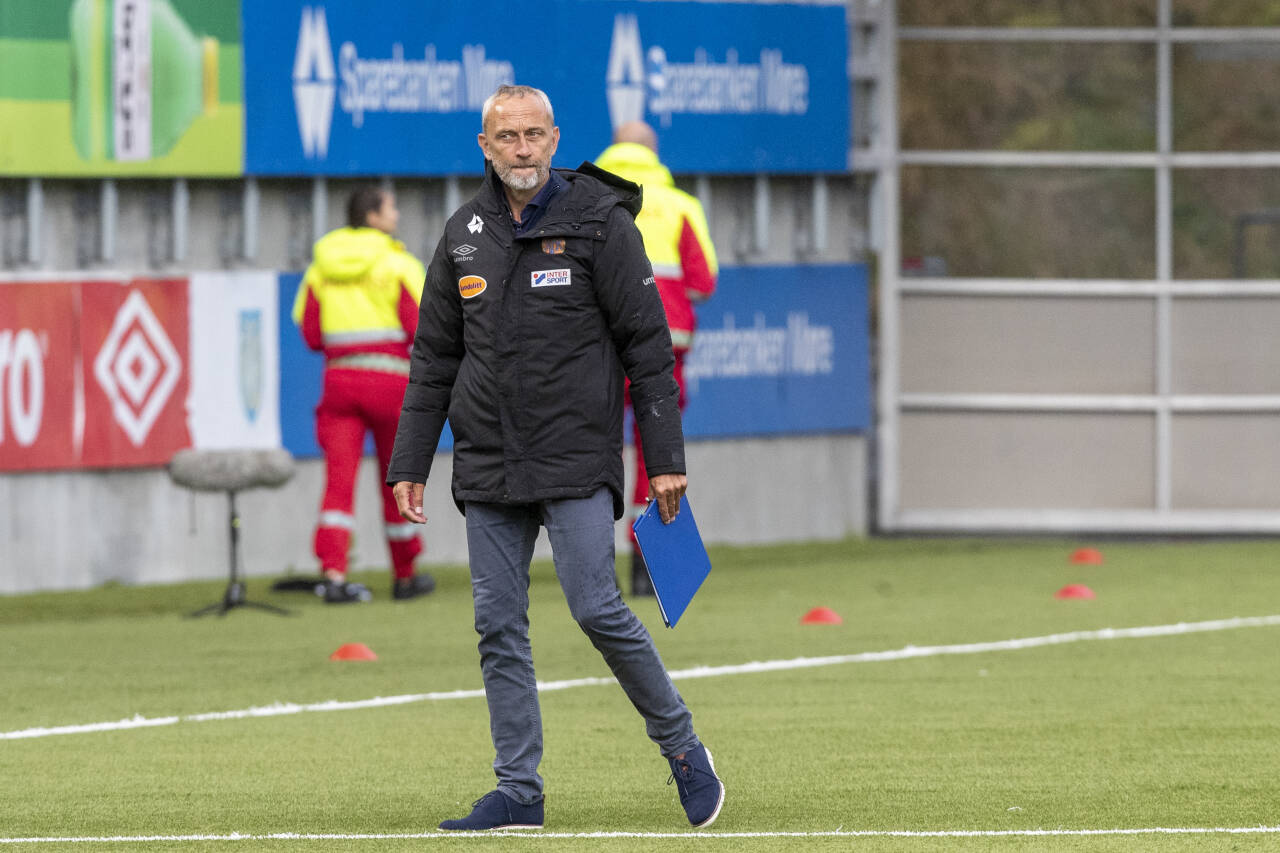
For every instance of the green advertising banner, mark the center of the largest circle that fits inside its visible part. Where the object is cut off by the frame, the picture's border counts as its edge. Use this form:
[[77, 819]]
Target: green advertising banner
[[121, 87]]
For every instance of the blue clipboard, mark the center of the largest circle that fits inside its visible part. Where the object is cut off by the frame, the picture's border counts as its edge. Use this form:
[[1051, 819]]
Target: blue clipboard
[[675, 557]]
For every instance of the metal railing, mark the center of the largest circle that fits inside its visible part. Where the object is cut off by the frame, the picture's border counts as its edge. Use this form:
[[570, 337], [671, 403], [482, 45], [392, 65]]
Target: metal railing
[[1163, 403]]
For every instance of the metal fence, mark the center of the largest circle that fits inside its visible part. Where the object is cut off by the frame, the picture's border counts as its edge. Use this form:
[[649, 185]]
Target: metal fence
[[1065, 404]]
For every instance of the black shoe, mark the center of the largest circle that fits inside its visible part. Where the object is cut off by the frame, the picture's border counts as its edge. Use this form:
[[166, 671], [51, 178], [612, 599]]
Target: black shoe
[[412, 587], [640, 583], [342, 592]]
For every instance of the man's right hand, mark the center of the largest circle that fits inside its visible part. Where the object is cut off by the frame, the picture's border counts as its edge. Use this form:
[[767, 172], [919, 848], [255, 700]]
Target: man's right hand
[[409, 501]]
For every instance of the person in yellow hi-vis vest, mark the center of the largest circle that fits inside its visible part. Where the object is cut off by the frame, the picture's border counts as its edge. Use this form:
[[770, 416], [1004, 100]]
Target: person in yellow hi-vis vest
[[358, 304], [678, 243]]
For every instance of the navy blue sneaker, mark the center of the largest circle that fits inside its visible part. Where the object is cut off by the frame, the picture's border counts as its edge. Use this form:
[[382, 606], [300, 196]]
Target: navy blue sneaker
[[495, 810], [701, 791]]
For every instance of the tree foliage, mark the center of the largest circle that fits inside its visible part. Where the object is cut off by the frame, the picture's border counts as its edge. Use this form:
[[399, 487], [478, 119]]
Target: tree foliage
[[1081, 96]]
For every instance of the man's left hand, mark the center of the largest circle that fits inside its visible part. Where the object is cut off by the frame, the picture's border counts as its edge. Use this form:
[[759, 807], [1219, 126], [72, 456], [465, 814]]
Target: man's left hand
[[667, 489]]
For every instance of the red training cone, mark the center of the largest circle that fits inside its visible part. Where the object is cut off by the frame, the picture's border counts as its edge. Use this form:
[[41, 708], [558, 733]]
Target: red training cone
[[821, 616], [1075, 590], [1088, 556], [353, 651]]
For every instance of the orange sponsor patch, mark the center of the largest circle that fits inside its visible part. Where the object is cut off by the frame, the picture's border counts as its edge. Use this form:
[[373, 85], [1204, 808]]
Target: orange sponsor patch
[[471, 285]]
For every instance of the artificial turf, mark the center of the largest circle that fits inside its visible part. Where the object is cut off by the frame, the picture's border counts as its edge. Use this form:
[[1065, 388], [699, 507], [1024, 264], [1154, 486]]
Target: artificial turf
[[1102, 734]]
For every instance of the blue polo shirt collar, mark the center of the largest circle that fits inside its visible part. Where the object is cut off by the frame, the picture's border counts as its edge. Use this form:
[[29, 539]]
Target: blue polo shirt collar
[[538, 204]]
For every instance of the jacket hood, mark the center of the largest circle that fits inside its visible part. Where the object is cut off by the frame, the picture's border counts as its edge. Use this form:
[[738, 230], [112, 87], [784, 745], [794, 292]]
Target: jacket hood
[[636, 163], [349, 253], [629, 193]]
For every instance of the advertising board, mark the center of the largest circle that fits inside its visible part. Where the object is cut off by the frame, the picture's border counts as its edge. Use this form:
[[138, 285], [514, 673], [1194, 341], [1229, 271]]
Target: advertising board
[[779, 350], [120, 88], [396, 88], [93, 373], [117, 373]]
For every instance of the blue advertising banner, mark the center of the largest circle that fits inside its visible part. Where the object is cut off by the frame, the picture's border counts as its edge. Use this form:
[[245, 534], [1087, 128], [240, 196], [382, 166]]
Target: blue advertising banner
[[388, 87], [301, 371], [779, 350]]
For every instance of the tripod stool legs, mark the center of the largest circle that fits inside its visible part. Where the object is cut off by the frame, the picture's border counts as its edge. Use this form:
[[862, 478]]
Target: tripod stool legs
[[234, 596]]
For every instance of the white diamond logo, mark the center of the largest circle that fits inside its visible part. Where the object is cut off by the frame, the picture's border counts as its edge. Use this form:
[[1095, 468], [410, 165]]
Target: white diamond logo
[[476, 225], [137, 367]]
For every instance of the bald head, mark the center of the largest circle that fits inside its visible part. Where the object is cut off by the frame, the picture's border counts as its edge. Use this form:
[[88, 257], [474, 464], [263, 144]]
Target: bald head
[[637, 132]]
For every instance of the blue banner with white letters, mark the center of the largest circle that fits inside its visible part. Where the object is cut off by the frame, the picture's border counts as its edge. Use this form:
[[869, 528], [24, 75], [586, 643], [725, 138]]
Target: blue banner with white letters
[[391, 87], [779, 350]]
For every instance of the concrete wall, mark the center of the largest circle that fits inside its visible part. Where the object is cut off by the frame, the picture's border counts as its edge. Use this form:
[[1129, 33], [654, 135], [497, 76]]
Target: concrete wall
[[71, 530]]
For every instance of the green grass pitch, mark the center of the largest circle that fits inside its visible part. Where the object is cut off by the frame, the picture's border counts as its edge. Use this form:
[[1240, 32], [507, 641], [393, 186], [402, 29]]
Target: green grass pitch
[[1102, 734]]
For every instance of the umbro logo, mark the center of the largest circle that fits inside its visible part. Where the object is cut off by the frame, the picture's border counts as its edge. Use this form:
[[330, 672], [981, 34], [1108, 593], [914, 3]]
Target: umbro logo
[[464, 250], [476, 225]]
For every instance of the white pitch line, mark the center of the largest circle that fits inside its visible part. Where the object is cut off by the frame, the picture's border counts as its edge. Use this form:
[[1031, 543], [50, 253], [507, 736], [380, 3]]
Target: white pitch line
[[905, 653], [711, 836]]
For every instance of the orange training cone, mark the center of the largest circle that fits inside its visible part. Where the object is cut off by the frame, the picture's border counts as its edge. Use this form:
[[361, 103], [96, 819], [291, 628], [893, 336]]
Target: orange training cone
[[1088, 556], [1075, 590], [353, 651], [821, 616]]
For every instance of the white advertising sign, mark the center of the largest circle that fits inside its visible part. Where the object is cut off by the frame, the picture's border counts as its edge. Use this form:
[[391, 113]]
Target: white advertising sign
[[235, 357]]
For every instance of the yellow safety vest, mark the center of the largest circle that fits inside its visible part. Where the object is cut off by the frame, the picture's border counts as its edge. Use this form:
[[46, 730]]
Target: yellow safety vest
[[357, 277], [665, 214], [665, 208]]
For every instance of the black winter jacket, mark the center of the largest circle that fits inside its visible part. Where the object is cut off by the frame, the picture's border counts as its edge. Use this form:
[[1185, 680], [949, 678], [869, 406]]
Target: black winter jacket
[[523, 344]]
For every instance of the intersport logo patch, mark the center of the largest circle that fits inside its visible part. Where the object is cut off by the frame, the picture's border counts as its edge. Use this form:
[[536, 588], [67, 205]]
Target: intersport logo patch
[[550, 278]]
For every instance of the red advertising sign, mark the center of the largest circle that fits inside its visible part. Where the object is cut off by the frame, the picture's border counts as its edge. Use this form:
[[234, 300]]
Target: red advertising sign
[[39, 338], [93, 374], [133, 338]]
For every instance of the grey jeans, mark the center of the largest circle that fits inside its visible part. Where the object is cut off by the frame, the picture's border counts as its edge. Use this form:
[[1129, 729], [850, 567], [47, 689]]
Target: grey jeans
[[500, 540]]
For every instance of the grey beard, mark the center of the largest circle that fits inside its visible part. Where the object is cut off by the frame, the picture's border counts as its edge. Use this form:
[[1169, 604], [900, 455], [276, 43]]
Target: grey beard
[[507, 176]]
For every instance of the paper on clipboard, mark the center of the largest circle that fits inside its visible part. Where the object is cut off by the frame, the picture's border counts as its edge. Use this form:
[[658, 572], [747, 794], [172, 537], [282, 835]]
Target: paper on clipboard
[[675, 557]]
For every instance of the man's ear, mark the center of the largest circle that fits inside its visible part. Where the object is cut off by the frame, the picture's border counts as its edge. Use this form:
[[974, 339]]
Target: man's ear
[[481, 141]]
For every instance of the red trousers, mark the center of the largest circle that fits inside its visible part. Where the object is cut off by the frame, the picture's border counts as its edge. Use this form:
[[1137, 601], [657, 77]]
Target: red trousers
[[640, 493], [353, 402]]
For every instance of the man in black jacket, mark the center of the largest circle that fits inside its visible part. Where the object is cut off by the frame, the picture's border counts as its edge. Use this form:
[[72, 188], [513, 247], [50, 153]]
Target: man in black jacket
[[538, 301]]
